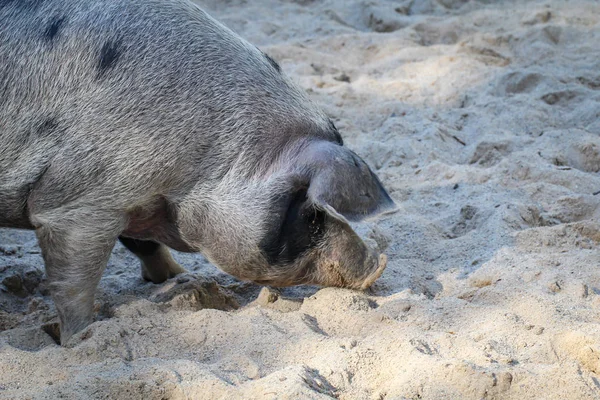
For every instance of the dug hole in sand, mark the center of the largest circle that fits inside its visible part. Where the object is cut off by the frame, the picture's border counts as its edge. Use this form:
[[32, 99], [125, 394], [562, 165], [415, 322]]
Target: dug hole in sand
[[482, 119]]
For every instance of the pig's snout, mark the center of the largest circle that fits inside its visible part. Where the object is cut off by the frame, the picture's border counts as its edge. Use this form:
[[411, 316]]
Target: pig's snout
[[349, 275]]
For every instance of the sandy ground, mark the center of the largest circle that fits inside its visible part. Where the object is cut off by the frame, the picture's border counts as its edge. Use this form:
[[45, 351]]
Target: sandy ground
[[482, 118]]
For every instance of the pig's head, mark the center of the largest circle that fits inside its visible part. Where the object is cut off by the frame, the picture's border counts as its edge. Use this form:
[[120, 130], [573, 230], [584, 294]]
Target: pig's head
[[295, 228], [310, 240]]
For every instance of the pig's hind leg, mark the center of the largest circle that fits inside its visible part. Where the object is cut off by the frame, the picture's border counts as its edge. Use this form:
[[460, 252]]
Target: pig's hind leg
[[157, 263]]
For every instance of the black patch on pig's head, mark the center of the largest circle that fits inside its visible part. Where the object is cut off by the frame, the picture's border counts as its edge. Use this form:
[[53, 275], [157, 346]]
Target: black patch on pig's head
[[272, 62], [109, 55], [53, 28], [296, 228]]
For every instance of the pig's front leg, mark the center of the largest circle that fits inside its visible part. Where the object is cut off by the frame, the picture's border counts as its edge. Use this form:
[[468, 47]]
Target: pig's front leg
[[157, 263], [76, 246]]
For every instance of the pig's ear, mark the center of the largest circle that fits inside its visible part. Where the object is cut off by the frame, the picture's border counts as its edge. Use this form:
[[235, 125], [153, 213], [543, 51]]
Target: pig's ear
[[343, 185]]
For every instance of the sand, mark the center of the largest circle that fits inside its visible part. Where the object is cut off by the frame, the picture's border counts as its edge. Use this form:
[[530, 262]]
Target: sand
[[482, 119]]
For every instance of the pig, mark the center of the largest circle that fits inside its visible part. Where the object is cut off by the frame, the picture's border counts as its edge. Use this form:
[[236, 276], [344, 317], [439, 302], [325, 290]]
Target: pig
[[149, 122]]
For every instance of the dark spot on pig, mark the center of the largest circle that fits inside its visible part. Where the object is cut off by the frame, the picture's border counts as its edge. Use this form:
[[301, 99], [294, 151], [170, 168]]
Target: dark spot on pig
[[140, 247], [109, 55], [53, 28], [48, 126], [272, 62], [300, 229], [44, 129], [336, 133]]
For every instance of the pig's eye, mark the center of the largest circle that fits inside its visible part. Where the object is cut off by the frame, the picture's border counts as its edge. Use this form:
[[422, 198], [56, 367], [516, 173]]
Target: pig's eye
[[300, 229]]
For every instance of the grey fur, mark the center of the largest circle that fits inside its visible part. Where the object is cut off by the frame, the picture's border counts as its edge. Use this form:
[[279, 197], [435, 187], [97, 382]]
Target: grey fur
[[151, 120]]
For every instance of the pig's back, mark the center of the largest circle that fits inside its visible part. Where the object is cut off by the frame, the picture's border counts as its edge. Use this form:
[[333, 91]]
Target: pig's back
[[107, 89]]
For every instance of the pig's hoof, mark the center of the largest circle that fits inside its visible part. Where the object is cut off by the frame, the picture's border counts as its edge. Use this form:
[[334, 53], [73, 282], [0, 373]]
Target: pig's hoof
[[375, 275], [160, 265], [160, 273]]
